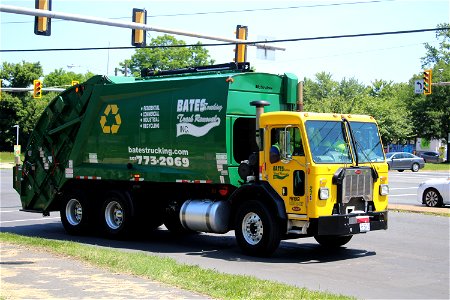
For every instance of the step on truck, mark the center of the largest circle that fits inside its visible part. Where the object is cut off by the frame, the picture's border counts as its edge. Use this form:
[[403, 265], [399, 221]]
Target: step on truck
[[205, 149]]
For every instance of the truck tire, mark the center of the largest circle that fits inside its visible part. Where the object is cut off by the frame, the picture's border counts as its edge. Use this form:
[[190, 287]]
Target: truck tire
[[75, 212], [256, 229], [333, 241], [117, 215]]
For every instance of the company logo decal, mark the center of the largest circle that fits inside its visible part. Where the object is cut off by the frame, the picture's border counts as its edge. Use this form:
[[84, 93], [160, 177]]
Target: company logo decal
[[280, 172], [110, 120], [195, 117]]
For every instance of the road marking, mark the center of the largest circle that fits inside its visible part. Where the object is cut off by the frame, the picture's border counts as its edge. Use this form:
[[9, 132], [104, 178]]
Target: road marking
[[26, 220]]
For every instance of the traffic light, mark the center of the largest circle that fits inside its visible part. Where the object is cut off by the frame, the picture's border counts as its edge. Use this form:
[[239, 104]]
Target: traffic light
[[138, 36], [42, 25], [37, 88], [427, 82], [241, 49]]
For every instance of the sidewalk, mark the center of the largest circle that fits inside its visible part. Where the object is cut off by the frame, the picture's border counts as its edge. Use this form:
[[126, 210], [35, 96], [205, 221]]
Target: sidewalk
[[33, 274], [419, 208]]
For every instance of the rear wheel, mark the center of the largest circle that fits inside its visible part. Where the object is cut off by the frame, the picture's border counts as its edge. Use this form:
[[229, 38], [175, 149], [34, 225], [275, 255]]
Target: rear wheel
[[332, 241], [75, 212], [432, 198], [117, 214], [257, 230]]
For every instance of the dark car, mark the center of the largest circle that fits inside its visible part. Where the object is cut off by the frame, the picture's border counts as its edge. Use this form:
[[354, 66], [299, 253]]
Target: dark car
[[429, 156], [404, 161]]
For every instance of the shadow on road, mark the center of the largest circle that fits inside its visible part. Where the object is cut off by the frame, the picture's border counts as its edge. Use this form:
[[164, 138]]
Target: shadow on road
[[222, 247]]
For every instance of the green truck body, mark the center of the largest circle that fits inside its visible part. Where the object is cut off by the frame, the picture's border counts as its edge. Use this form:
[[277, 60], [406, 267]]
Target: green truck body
[[149, 145]]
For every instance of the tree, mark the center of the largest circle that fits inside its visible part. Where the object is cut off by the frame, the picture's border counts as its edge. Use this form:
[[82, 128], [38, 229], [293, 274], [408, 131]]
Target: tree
[[62, 78], [381, 100], [166, 57], [384, 101], [19, 75], [9, 116], [430, 113], [442, 54]]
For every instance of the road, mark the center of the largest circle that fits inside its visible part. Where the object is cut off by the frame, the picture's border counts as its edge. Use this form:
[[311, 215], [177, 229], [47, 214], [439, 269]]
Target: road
[[403, 185], [409, 260]]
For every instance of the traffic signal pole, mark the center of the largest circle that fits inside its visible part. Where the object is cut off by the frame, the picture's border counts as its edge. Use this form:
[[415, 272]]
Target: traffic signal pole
[[122, 24]]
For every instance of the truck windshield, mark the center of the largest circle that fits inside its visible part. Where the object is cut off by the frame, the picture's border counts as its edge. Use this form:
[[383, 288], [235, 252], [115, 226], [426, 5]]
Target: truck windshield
[[328, 142], [367, 142]]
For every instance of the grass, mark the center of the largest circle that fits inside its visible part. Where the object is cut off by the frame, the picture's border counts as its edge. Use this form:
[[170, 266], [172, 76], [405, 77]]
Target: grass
[[167, 270], [437, 167], [7, 157]]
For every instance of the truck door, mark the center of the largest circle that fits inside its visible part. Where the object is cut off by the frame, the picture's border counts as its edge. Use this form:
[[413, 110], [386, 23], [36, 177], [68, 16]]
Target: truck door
[[287, 176]]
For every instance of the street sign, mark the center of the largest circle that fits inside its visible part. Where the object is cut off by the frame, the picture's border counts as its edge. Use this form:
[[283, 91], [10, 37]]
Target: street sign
[[17, 150], [418, 86]]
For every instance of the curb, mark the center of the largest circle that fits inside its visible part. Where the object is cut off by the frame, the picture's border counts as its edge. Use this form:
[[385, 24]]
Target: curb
[[419, 208]]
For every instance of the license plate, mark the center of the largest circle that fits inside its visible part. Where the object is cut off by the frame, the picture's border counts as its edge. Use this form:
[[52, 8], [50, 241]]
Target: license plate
[[364, 227]]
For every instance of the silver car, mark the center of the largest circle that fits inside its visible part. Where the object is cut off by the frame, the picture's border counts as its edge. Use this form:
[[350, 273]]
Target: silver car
[[434, 192], [401, 161]]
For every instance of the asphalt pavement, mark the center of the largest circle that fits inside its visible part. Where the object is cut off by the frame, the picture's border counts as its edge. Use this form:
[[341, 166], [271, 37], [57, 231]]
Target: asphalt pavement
[[30, 273]]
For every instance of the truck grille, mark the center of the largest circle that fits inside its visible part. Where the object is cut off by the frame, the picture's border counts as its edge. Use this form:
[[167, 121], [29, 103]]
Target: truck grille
[[357, 184]]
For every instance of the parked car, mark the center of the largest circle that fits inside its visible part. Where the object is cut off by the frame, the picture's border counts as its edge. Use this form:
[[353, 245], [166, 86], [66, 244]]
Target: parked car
[[434, 192], [404, 161], [430, 156]]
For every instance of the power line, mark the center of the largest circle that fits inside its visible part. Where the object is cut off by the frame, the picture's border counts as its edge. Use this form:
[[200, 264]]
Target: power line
[[253, 43], [239, 11]]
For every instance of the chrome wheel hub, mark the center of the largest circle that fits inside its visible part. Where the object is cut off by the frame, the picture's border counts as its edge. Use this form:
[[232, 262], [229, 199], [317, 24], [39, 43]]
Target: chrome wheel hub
[[252, 228], [114, 215], [74, 212]]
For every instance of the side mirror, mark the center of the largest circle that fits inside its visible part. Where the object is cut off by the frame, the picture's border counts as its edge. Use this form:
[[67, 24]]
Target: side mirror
[[285, 140]]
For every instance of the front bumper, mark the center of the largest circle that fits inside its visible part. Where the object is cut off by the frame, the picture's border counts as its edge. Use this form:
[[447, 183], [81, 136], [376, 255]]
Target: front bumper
[[352, 223]]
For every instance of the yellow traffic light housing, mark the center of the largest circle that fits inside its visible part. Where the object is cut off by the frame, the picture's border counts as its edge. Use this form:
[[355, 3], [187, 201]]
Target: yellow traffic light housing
[[241, 49], [138, 36], [37, 89], [42, 25], [75, 82], [427, 74]]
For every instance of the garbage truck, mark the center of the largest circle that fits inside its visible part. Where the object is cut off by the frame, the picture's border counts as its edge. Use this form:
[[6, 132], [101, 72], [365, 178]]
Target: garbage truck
[[192, 149]]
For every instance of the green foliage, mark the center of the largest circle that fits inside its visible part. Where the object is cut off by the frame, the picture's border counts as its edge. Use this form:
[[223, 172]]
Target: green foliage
[[10, 107], [442, 54], [62, 78], [167, 57], [21, 74], [381, 100], [431, 113]]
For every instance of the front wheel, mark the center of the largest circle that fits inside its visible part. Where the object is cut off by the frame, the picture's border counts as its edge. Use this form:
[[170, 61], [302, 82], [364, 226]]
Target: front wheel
[[415, 167], [256, 229], [333, 241], [432, 198]]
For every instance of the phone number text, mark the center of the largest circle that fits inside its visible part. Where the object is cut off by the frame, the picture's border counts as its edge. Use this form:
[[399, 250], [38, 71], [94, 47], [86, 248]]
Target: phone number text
[[161, 160]]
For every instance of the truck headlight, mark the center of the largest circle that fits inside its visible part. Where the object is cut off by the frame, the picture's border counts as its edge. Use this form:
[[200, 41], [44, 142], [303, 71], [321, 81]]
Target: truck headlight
[[324, 193], [384, 189]]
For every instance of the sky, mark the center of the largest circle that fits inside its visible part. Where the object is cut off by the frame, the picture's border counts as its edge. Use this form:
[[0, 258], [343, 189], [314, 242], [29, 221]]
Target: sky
[[393, 58]]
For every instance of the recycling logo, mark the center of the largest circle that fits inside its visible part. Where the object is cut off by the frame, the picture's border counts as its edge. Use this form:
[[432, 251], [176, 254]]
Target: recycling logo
[[110, 120]]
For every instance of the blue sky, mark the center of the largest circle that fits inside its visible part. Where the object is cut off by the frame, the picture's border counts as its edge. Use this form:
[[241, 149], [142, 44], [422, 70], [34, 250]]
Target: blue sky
[[394, 57]]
